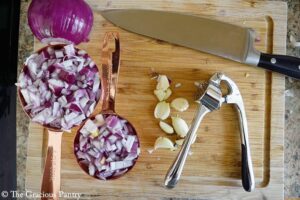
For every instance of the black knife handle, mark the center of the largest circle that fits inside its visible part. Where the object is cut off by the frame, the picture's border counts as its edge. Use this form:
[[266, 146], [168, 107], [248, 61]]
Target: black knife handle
[[287, 65]]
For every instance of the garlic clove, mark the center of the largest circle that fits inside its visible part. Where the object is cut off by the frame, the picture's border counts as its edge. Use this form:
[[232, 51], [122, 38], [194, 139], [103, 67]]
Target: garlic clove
[[174, 148], [168, 93], [180, 126], [162, 110], [166, 127], [180, 104], [162, 83], [179, 142], [163, 143], [160, 94], [163, 95]]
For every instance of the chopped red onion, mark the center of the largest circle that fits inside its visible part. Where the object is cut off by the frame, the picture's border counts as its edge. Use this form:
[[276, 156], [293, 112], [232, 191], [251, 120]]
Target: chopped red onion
[[70, 50], [129, 142], [111, 152], [49, 80]]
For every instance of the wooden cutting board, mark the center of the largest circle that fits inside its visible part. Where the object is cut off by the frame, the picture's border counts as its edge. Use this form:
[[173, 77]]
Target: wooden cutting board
[[213, 170]]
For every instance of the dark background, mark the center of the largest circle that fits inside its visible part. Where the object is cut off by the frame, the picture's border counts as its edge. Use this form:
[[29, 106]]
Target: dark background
[[9, 28]]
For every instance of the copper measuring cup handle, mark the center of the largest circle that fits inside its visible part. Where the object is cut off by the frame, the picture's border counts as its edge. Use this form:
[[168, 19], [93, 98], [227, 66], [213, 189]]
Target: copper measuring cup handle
[[110, 71], [51, 175]]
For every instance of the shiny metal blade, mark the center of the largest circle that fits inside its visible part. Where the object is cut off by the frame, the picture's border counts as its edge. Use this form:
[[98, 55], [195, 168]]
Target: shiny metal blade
[[211, 36]]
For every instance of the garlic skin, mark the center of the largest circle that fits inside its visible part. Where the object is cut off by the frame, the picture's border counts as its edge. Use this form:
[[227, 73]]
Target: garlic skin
[[180, 126], [162, 83], [166, 127], [163, 143], [180, 104], [177, 85], [150, 151], [162, 110], [197, 84]]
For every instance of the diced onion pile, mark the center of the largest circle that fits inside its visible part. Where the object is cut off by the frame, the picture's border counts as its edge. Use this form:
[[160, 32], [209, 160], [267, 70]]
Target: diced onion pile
[[60, 86], [107, 146]]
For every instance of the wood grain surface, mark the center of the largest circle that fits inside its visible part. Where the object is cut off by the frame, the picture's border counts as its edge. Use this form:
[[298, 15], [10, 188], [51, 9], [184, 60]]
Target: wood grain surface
[[213, 170]]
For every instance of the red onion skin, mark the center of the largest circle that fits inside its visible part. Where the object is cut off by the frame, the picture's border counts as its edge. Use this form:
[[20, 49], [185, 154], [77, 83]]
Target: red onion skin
[[58, 20]]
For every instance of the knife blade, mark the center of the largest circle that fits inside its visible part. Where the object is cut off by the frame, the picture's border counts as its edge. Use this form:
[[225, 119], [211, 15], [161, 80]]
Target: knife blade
[[207, 35]]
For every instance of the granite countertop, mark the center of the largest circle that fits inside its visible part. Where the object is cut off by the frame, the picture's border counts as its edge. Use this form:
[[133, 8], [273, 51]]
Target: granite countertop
[[292, 112]]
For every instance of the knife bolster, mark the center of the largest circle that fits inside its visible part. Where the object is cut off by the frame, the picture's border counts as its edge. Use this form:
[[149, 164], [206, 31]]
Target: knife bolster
[[252, 57]]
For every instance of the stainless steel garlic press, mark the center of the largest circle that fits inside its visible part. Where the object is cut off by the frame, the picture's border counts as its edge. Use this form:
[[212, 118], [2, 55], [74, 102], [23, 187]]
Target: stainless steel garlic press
[[211, 100]]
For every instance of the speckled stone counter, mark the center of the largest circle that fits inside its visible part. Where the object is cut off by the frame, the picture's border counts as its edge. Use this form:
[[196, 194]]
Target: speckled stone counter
[[292, 114], [292, 111], [25, 49]]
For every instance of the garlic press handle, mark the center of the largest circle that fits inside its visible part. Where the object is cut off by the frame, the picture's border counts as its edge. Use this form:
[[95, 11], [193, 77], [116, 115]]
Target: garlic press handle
[[176, 168], [234, 97], [247, 169]]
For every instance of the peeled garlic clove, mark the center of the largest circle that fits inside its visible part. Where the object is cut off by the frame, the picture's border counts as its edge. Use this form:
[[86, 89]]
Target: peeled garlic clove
[[174, 148], [163, 95], [166, 127], [163, 143], [162, 83], [167, 93], [179, 142], [162, 110], [180, 104], [180, 126], [160, 94]]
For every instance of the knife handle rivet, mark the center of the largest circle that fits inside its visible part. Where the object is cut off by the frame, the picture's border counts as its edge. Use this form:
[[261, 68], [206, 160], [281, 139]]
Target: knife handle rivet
[[299, 67], [273, 60]]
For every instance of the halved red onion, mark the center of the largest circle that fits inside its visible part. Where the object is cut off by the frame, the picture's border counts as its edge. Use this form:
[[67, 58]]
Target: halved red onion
[[105, 147], [63, 21], [55, 93]]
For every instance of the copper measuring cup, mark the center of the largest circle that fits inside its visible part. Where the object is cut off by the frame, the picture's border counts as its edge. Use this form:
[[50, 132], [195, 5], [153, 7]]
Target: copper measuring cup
[[109, 79], [51, 175]]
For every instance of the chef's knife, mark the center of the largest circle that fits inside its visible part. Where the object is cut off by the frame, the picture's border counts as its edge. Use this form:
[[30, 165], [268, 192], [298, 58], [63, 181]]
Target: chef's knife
[[207, 35]]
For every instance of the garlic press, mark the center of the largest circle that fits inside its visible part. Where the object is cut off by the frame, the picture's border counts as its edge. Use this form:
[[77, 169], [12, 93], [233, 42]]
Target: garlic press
[[211, 100]]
